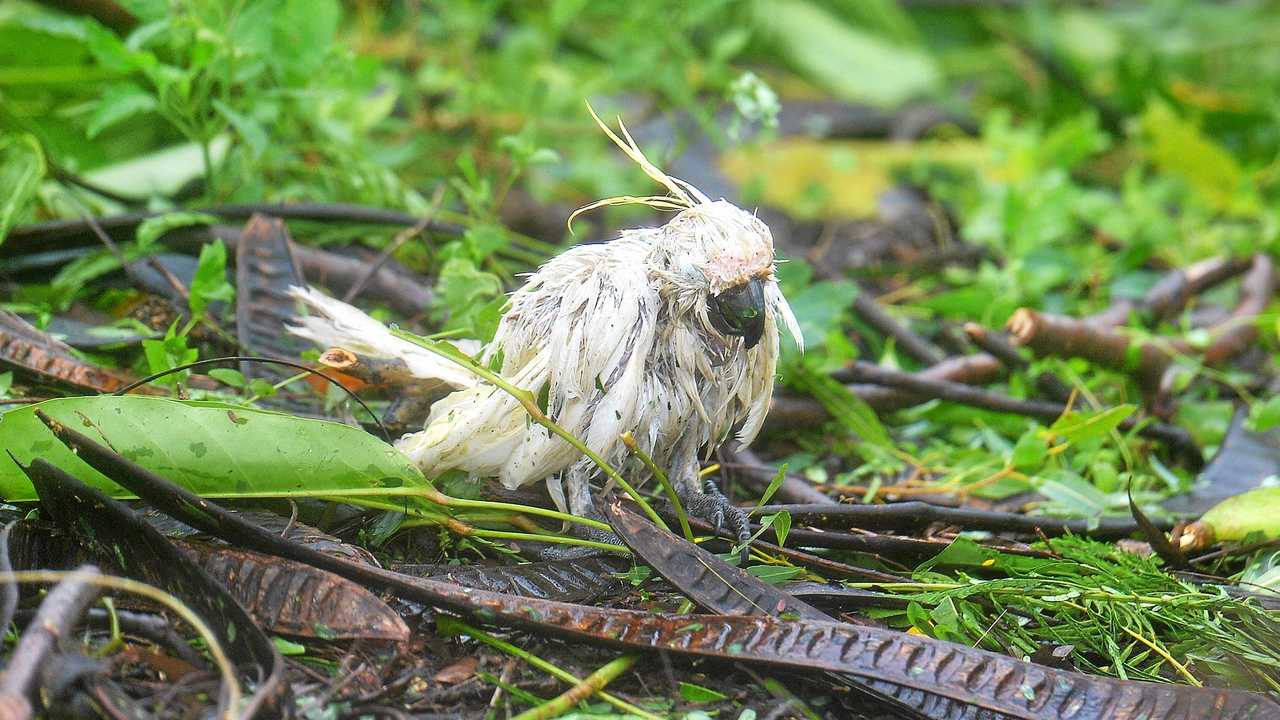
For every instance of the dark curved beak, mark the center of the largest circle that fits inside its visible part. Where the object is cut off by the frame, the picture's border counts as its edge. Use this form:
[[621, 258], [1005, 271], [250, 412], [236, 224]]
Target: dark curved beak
[[739, 311]]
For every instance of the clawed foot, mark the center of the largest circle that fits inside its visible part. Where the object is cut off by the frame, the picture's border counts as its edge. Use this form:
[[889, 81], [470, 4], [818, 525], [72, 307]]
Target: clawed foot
[[712, 506]]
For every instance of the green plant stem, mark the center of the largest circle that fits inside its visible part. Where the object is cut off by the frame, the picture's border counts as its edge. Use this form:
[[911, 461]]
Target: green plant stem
[[117, 638], [277, 386], [591, 684], [630, 441], [449, 501], [530, 405], [466, 530], [539, 663], [429, 494], [1100, 595], [207, 157]]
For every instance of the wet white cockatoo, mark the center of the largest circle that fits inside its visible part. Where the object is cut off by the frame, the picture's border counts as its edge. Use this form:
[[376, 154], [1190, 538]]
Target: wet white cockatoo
[[670, 333]]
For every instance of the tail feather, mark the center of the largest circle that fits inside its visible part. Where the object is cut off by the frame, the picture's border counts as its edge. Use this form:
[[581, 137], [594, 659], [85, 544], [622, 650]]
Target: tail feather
[[337, 324]]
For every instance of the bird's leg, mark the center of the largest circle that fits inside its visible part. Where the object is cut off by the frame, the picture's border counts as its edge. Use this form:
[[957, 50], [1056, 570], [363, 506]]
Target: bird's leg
[[577, 494], [704, 500]]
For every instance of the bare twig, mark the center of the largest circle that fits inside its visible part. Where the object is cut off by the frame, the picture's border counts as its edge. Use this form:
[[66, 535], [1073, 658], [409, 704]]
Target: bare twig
[[870, 310], [999, 347], [1175, 437], [9, 594], [56, 618], [804, 412], [400, 239], [154, 627], [914, 515], [1238, 332], [1060, 336], [747, 466], [392, 372], [125, 263], [1052, 335], [55, 234], [1171, 294], [823, 565]]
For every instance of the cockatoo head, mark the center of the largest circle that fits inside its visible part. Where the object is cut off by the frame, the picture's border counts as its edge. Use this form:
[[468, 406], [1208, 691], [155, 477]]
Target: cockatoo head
[[714, 260]]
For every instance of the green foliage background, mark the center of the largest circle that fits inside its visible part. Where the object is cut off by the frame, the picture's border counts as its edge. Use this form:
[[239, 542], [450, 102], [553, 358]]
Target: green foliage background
[[1110, 139]]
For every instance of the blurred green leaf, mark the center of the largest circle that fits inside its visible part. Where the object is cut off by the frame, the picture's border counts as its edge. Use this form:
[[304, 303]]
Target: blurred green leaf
[[170, 352], [775, 574], [1085, 425], [471, 297], [154, 228], [1030, 452], [227, 376], [782, 526], [119, 103], [1179, 148], [21, 169], [1263, 573], [774, 484], [848, 409], [850, 62], [1072, 496], [1264, 415], [210, 280], [249, 130], [818, 309]]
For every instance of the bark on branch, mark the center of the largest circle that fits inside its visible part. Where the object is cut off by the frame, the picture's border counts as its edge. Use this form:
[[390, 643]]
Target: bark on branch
[[1049, 335]]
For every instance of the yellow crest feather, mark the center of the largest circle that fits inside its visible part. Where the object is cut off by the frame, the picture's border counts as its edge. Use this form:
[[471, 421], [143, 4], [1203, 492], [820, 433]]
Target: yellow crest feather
[[682, 194]]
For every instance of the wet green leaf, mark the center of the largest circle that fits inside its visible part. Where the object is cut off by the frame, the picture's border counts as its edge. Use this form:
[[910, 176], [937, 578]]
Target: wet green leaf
[[1079, 426], [698, 694], [215, 449]]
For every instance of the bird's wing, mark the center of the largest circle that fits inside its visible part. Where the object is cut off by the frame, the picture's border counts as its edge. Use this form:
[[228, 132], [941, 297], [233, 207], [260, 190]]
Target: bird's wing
[[337, 324], [577, 336]]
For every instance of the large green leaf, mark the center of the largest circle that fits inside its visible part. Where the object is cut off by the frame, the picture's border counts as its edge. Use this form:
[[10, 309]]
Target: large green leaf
[[215, 449], [849, 61]]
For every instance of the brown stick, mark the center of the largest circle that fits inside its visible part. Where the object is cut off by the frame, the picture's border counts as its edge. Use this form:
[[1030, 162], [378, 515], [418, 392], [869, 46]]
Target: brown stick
[[1059, 336], [870, 310], [758, 475], [1175, 437], [403, 291], [1240, 330], [914, 515], [374, 371], [400, 239], [55, 619], [1172, 293], [1052, 335], [997, 344], [804, 412], [799, 557]]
